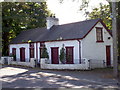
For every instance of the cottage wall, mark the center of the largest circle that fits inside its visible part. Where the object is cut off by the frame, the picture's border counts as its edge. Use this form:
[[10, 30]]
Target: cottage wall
[[73, 43], [96, 50], [69, 43], [18, 46]]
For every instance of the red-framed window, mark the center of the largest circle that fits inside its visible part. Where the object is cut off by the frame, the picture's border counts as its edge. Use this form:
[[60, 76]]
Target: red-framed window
[[42, 44], [22, 54], [14, 53], [69, 55], [99, 34], [31, 50]]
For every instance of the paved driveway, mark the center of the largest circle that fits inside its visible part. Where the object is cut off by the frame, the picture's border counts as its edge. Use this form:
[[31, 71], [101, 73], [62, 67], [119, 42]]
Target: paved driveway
[[23, 77]]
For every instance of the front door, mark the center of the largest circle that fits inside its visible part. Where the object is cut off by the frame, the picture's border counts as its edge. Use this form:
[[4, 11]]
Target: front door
[[54, 55], [22, 54], [108, 55], [69, 55]]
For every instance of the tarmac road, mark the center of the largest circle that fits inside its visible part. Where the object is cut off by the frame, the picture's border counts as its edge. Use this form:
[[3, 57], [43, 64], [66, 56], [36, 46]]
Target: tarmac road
[[24, 77]]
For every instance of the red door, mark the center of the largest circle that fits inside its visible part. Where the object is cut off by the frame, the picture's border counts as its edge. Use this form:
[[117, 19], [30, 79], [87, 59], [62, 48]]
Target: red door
[[69, 55], [22, 54], [108, 55], [54, 55]]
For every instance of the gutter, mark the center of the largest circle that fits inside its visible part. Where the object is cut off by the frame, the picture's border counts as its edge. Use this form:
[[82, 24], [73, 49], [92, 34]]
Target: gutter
[[36, 50], [79, 51]]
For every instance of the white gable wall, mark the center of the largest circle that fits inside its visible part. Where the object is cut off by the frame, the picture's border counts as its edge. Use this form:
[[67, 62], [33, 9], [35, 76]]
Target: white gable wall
[[96, 50]]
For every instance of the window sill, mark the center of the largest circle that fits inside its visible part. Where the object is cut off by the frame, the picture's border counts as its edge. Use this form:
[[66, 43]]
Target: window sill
[[99, 41]]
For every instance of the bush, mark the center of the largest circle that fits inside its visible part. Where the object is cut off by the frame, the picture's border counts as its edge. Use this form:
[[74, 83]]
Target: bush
[[44, 53], [62, 55]]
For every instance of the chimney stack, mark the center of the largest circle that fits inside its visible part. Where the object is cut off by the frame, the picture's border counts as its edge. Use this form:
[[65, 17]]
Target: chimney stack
[[52, 21]]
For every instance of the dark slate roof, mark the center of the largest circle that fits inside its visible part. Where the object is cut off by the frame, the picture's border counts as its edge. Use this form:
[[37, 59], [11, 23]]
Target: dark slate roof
[[75, 30]]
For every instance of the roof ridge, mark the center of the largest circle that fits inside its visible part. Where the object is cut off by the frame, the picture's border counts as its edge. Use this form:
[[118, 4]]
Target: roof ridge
[[78, 22]]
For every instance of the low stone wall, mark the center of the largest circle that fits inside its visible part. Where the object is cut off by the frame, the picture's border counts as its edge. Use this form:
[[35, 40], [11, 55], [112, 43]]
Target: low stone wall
[[29, 64], [97, 64], [84, 66], [6, 60], [10, 61]]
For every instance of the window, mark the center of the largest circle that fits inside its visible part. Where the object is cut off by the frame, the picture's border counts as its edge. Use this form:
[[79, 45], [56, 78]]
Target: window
[[22, 54], [42, 44], [14, 53], [99, 34], [31, 50]]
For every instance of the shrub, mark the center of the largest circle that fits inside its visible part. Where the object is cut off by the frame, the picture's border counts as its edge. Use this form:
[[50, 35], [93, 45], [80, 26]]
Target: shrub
[[62, 55], [44, 52]]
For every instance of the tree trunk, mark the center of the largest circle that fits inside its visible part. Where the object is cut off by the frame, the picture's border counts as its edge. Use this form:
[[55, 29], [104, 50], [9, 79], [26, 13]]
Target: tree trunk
[[5, 43]]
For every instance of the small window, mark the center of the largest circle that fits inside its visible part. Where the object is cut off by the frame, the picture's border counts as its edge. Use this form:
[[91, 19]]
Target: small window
[[99, 34], [31, 50], [41, 52]]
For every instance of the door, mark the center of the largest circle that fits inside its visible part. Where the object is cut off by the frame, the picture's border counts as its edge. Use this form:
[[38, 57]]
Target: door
[[22, 54], [54, 55], [69, 55], [108, 55]]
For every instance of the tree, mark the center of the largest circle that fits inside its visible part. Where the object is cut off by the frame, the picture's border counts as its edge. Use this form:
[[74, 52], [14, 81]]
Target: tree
[[19, 16], [104, 13]]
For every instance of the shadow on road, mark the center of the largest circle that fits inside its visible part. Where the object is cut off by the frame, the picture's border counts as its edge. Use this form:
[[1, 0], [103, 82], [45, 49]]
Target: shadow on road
[[44, 79]]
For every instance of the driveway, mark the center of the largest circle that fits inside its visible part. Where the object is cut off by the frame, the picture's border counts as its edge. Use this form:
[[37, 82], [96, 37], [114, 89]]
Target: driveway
[[24, 77]]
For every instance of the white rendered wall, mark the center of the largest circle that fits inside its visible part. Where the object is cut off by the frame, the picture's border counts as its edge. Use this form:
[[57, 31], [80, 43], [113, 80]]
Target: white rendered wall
[[38, 47], [71, 43], [96, 50], [18, 46]]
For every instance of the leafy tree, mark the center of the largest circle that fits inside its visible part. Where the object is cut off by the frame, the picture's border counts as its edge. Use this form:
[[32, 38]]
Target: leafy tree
[[19, 16], [104, 13]]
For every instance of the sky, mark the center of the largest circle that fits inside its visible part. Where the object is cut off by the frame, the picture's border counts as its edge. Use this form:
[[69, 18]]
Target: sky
[[69, 12]]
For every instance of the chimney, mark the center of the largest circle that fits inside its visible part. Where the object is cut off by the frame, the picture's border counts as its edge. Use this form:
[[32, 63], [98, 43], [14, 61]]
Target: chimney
[[52, 21]]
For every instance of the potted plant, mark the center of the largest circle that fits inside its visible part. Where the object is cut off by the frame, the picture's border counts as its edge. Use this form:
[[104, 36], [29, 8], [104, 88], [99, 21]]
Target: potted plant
[[62, 55]]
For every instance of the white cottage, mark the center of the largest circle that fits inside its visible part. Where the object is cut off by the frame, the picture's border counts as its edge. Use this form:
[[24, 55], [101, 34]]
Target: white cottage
[[86, 39]]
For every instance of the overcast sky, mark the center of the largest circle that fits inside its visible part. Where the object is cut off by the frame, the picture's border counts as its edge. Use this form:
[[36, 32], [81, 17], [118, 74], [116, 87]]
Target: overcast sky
[[68, 11]]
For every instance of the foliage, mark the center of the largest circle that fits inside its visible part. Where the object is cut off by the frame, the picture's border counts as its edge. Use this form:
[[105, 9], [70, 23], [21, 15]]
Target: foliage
[[44, 52], [62, 55], [103, 13], [19, 16]]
